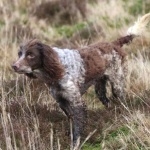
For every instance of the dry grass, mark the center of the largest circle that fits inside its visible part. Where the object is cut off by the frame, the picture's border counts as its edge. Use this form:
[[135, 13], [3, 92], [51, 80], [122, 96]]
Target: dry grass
[[31, 120]]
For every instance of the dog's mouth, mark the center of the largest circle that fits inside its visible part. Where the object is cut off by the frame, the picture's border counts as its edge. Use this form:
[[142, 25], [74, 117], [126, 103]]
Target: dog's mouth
[[19, 71], [23, 71], [28, 71], [31, 75]]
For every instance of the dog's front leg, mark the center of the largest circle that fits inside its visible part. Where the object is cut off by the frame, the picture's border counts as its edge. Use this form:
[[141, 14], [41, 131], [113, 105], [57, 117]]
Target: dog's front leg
[[75, 110], [69, 99], [78, 119]]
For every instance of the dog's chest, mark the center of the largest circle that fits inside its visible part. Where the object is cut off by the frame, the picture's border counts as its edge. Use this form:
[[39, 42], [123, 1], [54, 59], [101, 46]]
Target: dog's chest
[[73, 64]]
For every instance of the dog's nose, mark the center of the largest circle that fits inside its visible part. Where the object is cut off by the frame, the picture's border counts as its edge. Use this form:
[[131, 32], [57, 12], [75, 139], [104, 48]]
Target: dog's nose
[[15, 67]]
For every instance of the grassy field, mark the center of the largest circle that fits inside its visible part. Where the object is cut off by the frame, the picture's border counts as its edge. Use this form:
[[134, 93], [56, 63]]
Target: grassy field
[[29, 117]]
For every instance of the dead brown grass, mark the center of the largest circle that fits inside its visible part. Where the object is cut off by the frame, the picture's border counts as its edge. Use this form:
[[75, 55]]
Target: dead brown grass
[[61, 11], [29, 117]]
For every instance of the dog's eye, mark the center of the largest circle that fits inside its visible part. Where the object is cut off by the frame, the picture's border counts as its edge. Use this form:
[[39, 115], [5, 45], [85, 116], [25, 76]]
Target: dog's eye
[[19, 54], [30, 55]]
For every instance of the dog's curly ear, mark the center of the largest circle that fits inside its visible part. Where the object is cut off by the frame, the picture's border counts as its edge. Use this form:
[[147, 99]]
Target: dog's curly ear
[[52, 67], [51, 63]]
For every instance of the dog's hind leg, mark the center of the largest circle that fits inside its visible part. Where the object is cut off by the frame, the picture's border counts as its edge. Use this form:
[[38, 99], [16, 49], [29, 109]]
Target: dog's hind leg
[[116, 74], [117, 81], [118, 85], [100, 89]]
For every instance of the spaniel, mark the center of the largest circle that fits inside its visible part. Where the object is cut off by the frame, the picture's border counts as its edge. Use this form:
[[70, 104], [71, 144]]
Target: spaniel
[[70, 72]]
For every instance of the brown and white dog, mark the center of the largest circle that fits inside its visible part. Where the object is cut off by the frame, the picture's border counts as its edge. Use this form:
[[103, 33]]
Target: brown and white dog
[[69, 73]]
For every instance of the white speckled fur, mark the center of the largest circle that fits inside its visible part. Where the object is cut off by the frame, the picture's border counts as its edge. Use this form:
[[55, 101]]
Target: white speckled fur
[[73, 63]]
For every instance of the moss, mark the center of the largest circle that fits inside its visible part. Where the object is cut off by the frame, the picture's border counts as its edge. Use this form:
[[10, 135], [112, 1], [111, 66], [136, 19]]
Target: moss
[[122, 130], [68, 31], [88, 146], [137, 7], [2, 23], [115, 23], [93, 2]]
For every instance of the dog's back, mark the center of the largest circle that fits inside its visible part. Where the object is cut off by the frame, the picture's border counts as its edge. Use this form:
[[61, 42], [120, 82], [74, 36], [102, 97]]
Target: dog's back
[[98, 57]]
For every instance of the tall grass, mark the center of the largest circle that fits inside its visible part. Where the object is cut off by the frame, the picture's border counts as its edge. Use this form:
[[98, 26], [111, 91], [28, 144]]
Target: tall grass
[[29, 117]]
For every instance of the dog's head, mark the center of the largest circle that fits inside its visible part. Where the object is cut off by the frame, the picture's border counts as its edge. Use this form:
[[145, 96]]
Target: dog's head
[[29, 58], [35, 56]]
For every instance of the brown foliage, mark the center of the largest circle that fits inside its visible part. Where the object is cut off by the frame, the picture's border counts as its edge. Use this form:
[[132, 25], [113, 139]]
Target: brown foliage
[[49, 116], [61, 11], [22, 117]]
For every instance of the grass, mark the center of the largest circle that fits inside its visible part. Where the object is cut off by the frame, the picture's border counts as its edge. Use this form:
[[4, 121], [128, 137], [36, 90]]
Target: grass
[[31, 119], [68, 30]]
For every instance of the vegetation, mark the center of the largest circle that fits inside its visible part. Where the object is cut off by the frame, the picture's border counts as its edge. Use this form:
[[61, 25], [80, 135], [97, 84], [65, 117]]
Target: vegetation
[[29, 117]]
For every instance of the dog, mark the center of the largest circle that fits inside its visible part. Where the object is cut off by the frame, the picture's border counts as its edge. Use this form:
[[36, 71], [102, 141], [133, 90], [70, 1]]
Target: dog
[[69, 73]]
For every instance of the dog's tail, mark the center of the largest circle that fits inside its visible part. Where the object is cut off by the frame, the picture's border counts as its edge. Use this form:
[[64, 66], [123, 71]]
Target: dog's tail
[[137, 29]]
